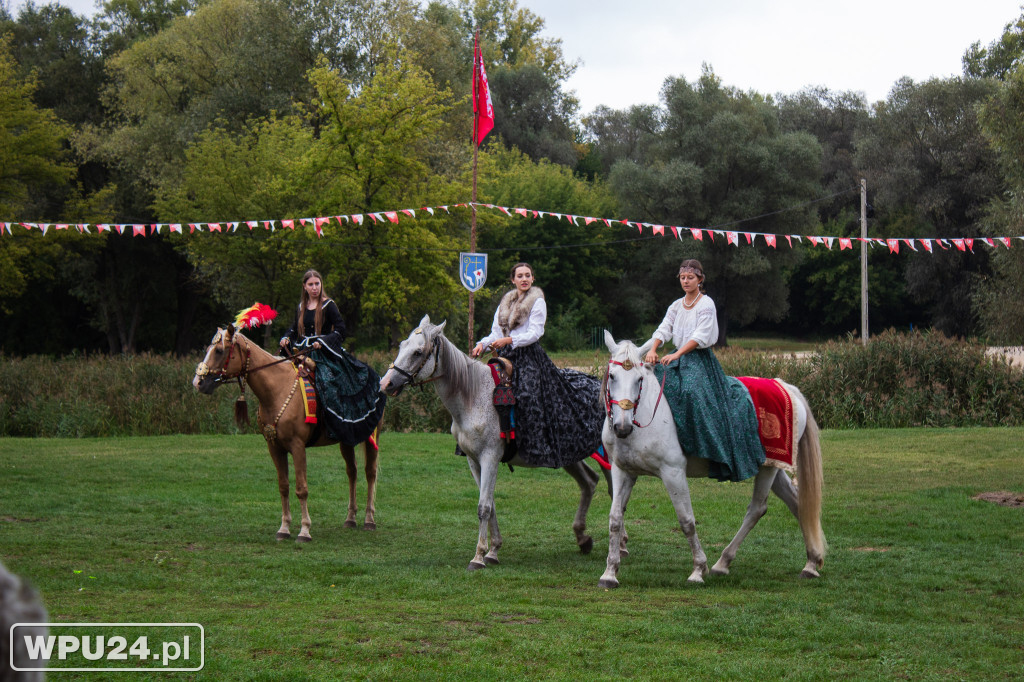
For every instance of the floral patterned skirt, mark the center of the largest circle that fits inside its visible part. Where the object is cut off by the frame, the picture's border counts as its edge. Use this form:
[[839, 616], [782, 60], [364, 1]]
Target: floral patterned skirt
[[558, 413], [714, 415]]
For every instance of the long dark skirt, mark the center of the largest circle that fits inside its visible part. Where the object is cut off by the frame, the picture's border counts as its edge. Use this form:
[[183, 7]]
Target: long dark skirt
[[558, 413], [714, 415], [348, 391]]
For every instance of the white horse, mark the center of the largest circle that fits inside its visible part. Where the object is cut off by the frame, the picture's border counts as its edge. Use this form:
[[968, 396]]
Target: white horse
[[653, 449], [466, 388]]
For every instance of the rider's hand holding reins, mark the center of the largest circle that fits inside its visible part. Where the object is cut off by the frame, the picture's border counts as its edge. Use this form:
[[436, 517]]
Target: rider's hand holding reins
[[687, 347], [495, 345]]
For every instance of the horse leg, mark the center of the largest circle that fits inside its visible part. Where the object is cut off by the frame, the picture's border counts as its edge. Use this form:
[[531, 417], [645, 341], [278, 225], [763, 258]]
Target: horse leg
[[678, 489], [587, 479], [622, 486], [486, 473], [349, 455], [784, 489], [370, 451], [302, 491], [758, 507], [280, 457], [492, 556]]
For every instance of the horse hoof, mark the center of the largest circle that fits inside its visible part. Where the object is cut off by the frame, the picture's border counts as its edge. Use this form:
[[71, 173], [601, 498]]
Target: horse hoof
[[303, 538], [282, 536], [608, 583], [369, 525], [349, 524], [491, 560], [695, 579], [719, 570], [587, 545], [809, 573], [475, 566]]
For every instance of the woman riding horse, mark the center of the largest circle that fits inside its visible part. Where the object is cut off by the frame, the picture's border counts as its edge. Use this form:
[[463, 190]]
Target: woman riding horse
[[714, 415], [557, 412], [347, 389]]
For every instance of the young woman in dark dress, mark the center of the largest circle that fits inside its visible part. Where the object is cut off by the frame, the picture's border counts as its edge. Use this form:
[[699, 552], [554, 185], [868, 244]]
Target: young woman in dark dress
[[347, 389], [558, 413]]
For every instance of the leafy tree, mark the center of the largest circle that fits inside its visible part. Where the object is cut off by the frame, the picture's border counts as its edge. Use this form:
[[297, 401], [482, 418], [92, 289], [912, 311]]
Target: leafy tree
[[31, 139], [230, 61], [533, 115], [578, 282], [720, 158], [375, 153], [120, 23], [1002, 56], [358, 152], [55, 44], [623, 135], [934, 174], [1000, 302], [525, 70]]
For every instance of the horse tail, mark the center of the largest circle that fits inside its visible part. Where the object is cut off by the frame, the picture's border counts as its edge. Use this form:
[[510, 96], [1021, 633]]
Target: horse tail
[[809, 485], [241, 413]]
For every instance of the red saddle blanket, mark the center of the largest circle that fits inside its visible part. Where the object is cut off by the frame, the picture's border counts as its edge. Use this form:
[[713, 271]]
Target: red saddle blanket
[[776, 421]]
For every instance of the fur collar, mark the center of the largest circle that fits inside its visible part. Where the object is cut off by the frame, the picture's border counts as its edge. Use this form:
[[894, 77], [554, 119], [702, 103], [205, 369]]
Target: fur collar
[[515, 308]]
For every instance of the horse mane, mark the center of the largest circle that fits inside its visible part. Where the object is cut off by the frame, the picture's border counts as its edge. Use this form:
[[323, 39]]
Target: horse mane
[[458, 368], [628, 350]]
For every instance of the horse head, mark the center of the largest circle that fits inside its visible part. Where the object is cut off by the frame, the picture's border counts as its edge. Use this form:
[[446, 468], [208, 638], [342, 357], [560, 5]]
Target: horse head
[[223, 360], [623, 383], [417, 359]]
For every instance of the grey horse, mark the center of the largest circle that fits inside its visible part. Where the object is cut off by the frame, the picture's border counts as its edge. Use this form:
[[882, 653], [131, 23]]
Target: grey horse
[[465, 387]]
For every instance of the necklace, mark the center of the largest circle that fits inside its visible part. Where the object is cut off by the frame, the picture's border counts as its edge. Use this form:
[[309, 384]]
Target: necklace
[[689, 306]]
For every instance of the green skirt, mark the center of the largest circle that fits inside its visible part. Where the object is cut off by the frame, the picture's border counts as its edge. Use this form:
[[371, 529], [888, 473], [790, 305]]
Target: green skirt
[[714, 415]]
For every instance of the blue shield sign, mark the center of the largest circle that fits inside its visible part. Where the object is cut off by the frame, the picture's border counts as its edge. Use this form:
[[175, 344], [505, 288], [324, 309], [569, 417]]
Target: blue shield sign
[[473, 270]]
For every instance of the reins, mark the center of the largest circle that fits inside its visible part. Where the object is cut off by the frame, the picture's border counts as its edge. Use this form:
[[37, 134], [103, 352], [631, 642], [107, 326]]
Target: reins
[[626, 403], [222, 376]]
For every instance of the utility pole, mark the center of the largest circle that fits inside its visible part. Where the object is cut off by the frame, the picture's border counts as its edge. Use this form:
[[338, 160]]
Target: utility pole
[[863, 262]]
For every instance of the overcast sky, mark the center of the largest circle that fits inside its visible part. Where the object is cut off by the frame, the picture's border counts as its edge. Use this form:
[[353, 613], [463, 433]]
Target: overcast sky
[[628, 47]]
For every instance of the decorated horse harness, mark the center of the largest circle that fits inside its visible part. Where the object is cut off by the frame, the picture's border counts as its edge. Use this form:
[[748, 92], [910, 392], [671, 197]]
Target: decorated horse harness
[[626, 403]]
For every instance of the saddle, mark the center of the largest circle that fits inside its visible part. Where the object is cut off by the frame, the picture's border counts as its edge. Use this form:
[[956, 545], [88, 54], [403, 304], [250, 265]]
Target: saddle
[[504, 403]]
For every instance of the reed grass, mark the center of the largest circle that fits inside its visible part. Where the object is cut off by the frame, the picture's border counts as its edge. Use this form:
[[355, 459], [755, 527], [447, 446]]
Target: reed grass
[[898, 380]]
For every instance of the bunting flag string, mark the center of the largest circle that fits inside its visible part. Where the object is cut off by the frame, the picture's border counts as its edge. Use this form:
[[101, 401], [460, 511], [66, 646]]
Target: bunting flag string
[[322, 224]]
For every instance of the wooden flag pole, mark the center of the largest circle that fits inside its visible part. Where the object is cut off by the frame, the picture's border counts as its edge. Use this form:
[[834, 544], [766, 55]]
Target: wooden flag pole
[[472, 213]]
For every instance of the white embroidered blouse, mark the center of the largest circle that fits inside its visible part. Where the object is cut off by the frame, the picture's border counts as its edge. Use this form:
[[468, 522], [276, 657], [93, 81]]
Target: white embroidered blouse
[[528, 331], [699, 324]]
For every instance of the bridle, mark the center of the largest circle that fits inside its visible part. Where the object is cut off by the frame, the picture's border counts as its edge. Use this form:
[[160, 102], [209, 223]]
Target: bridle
[[410, 375], [626, 403], [222, 375]]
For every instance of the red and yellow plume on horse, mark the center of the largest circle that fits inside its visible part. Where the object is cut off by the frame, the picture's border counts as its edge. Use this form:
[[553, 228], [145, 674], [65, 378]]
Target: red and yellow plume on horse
[[254, 316]]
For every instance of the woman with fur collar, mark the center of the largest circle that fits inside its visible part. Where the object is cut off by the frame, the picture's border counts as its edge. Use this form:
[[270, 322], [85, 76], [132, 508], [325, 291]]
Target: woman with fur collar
[[558, 414]]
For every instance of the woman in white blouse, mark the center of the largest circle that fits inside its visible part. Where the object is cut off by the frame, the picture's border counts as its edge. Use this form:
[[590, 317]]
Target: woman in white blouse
[[557, 415], [714, 414]]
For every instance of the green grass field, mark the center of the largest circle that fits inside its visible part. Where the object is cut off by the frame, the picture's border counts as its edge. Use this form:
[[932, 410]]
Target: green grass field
[[922, 582]]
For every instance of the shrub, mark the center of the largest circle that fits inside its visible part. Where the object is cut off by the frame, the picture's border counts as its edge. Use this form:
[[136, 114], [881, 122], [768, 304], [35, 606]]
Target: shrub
[[899, 379]]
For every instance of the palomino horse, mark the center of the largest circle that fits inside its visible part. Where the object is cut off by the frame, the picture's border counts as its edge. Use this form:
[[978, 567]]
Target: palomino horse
[[465, 387], [654, 450], [275, 382]]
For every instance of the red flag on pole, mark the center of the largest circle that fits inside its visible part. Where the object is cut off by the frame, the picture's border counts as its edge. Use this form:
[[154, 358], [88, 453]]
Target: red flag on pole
[[483, 111]]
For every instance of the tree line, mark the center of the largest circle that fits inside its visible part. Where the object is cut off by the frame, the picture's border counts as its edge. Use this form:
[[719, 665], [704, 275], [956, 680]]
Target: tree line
[[199, 111]]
